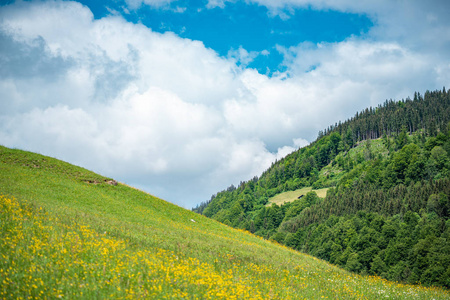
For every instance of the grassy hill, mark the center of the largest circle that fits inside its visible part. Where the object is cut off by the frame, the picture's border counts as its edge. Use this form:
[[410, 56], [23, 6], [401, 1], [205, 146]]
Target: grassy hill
[[68, 233]]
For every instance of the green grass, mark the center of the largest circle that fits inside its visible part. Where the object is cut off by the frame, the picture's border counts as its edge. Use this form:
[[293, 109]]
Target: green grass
[[66, 233], [293, 195]]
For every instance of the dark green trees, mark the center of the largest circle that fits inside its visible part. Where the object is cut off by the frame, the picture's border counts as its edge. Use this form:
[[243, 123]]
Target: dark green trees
[[387, 209]]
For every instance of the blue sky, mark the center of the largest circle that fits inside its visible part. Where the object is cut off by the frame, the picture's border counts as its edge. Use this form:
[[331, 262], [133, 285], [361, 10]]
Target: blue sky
[[184, 98], [241, 25]]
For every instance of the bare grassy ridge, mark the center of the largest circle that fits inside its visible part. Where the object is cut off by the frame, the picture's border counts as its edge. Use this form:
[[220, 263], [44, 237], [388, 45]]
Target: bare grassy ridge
[[66, 233]]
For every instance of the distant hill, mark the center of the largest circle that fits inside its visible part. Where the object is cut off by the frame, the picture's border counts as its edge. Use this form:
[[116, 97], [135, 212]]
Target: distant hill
[[387, 208]]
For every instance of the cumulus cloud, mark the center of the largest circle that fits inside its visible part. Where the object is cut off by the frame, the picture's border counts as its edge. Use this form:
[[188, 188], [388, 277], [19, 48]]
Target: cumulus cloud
[[383, 66], [169, 115]]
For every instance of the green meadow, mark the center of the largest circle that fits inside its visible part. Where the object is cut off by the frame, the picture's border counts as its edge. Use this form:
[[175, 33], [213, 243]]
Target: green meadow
[[290, 196], [68, 233]]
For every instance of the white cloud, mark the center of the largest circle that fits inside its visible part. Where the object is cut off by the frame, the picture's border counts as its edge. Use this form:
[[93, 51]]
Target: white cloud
[[379, 63], [167, 114], [242, 56]]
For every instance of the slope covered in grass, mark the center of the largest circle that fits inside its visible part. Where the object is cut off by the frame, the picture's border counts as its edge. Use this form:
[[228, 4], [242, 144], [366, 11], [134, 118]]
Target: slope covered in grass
[[290, 196], [67, 233]]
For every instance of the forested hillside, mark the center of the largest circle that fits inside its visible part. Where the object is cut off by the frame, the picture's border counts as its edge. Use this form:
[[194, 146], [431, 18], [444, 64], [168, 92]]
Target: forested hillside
[[387, 208]]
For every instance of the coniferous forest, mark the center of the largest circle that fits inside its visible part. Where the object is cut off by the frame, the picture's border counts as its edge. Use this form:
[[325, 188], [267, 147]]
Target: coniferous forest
[[386, 210]]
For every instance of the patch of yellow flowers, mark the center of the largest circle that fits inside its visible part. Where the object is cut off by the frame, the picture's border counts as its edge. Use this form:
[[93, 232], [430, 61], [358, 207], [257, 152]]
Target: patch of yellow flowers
[[41, 257]]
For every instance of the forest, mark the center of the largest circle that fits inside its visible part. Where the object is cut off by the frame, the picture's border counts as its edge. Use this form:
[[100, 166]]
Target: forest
[[386, 211]]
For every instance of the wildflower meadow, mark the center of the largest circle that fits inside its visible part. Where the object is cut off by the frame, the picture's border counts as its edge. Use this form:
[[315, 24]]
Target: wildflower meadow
[[66, 233]]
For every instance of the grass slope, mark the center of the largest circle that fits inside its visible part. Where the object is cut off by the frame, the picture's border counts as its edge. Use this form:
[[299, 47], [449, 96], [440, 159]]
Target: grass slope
[[66, 233], [293, 195]]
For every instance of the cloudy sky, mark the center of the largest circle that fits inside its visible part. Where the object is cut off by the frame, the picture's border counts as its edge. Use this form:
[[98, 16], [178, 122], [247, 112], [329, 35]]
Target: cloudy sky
[[183, 98]]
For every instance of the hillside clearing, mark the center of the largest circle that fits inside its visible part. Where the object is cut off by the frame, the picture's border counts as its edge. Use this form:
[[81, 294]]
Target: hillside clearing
[[293, 195]]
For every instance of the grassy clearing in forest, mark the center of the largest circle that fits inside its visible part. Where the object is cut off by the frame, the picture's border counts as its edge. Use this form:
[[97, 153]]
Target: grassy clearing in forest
[[66, 233], [293, 195]]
